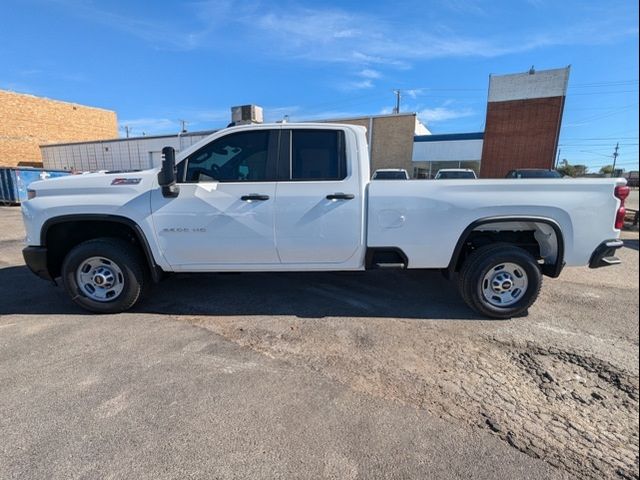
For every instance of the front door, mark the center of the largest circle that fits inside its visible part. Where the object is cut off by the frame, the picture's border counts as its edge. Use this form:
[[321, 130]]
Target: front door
[[319, 203], [224, 214]]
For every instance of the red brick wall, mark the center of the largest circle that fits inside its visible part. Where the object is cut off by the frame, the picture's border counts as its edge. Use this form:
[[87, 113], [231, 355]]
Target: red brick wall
[[520, 134]]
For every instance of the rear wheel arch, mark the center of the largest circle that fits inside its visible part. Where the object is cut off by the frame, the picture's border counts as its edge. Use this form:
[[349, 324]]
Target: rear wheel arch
[[546, 232], [61, 234]]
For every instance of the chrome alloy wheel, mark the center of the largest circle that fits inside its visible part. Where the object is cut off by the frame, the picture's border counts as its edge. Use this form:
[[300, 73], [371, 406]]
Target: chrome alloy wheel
[[504, 284], [100, 279]]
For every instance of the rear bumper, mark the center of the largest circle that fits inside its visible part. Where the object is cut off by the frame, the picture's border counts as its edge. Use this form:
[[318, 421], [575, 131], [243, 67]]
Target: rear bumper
[[604, 255], [36, 260]]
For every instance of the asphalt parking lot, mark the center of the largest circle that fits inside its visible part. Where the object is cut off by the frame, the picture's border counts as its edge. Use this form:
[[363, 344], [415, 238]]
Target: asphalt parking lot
[[333, 375]]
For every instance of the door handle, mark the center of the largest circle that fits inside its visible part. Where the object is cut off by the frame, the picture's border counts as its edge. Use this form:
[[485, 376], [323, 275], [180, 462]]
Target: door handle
[[341, 196], [254, 196]]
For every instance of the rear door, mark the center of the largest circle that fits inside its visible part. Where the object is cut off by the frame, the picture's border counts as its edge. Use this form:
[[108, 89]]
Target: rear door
[[319, 206]]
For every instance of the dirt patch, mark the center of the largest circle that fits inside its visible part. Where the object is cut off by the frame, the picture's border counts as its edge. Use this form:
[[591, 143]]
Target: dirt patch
[[570, 409]]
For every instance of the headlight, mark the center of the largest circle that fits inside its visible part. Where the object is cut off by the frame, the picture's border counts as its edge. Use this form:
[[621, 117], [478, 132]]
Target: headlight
[[31, 194]]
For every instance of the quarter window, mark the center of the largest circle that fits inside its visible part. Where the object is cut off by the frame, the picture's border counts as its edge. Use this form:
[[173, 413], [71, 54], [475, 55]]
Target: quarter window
[[318, 155], [237, 157]]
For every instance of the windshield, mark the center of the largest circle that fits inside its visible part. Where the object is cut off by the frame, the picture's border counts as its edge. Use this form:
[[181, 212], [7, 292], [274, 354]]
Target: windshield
[[390, 176], [454, 175]]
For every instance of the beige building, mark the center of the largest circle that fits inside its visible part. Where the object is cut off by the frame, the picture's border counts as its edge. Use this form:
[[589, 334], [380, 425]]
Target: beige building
[[29, 121], [390, 138]]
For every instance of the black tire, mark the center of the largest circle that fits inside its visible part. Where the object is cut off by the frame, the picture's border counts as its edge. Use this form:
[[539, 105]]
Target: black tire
[[481, 262], [126, 258]]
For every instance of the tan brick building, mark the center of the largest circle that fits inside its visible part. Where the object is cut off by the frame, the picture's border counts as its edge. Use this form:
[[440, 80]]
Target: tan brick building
[[390, 139], [29, 121]]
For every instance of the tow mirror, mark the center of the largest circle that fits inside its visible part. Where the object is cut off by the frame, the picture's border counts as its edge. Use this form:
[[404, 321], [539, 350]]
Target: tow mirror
[[167, 175]]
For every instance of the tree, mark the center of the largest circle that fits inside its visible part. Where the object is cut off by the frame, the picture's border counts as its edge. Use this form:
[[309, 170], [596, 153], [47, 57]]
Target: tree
[[607, 170], [580, 170], [569, 170]]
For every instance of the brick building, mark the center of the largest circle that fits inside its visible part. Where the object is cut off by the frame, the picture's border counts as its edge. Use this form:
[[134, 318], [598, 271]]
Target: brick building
[[29, 121], [522, 127], [390, 138], [524, 114]]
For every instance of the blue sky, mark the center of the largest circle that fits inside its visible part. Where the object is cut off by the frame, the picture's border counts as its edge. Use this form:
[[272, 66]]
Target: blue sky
[[158, 62]]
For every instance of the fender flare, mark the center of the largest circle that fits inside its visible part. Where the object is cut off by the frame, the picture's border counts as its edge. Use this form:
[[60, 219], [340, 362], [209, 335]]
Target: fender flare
[[154, 269], [549, 270]]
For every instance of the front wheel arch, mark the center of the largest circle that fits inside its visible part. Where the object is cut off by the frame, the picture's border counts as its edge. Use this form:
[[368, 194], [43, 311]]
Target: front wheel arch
[[61, 234]]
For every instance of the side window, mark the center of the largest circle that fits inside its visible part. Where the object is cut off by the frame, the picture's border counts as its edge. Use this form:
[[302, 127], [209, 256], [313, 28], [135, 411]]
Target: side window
[[318, 155], [237, 157]]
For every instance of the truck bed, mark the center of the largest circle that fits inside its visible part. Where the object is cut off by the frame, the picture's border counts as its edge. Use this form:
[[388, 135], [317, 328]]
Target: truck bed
[[425, 218]]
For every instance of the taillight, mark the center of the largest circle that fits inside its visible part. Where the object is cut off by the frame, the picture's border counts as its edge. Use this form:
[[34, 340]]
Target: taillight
[[621, 192]]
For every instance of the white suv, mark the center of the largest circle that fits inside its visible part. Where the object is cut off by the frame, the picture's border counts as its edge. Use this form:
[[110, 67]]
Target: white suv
[[390, 174], [455, 174]]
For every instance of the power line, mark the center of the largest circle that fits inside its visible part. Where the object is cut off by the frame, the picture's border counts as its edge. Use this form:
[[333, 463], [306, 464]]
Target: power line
[[587, 144], [601, 138], [604, 92]]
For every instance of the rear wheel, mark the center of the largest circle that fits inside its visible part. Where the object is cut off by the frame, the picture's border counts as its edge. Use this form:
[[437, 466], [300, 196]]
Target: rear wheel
[[500, 280], [104, 275]]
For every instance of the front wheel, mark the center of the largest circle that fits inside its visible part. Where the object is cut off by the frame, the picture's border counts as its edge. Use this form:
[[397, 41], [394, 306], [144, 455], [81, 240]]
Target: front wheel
[[500, 281], [104, 275]]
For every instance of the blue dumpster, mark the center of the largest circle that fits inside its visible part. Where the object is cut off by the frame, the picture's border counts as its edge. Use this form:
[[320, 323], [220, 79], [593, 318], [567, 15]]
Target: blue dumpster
[[14, 182]]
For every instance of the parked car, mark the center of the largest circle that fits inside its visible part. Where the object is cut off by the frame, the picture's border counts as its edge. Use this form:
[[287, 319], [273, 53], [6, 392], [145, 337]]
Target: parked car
[[534, 173], [234, 202], [455, 174], [390, 174]]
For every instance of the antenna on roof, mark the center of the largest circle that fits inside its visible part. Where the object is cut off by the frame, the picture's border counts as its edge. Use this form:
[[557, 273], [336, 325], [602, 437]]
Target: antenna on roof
[[398, 95]]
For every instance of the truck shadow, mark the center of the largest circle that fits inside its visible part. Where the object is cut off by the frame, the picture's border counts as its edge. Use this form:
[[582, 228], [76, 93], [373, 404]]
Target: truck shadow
[[401, 294], [631, 243]]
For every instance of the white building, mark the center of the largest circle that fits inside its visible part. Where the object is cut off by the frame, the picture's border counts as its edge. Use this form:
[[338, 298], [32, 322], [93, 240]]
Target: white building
[[118, 154], [455, 150]]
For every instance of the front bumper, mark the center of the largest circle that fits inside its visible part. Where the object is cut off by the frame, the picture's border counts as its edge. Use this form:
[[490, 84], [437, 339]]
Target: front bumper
[[36, 260], [603, 256]]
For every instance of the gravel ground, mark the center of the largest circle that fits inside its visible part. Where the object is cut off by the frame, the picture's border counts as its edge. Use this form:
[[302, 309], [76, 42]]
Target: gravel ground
[[336, 375]]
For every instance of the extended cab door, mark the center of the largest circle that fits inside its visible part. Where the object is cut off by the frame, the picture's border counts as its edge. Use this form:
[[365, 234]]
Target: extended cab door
[[223, 217], [319, 202]]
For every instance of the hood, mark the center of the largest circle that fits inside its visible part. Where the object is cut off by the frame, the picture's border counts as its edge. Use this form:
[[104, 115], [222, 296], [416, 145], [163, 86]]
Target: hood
[[96, 183]]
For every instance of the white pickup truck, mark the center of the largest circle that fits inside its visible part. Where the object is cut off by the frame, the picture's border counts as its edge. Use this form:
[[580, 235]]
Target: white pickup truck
[[297, 197]]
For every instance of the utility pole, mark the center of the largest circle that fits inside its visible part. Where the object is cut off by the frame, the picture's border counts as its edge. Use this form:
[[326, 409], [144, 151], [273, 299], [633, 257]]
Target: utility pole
[[183, 124], [396, 110], [558, 158], [127, 130], [615, 157]]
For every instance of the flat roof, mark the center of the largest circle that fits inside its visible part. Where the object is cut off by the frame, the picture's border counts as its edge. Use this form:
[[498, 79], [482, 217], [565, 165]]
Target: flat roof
[[125, 139], [363, 117], [448, 137], [37, 97]]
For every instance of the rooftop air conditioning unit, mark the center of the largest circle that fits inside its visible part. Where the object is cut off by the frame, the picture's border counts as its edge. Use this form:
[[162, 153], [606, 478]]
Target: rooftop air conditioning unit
[[246, 114]]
